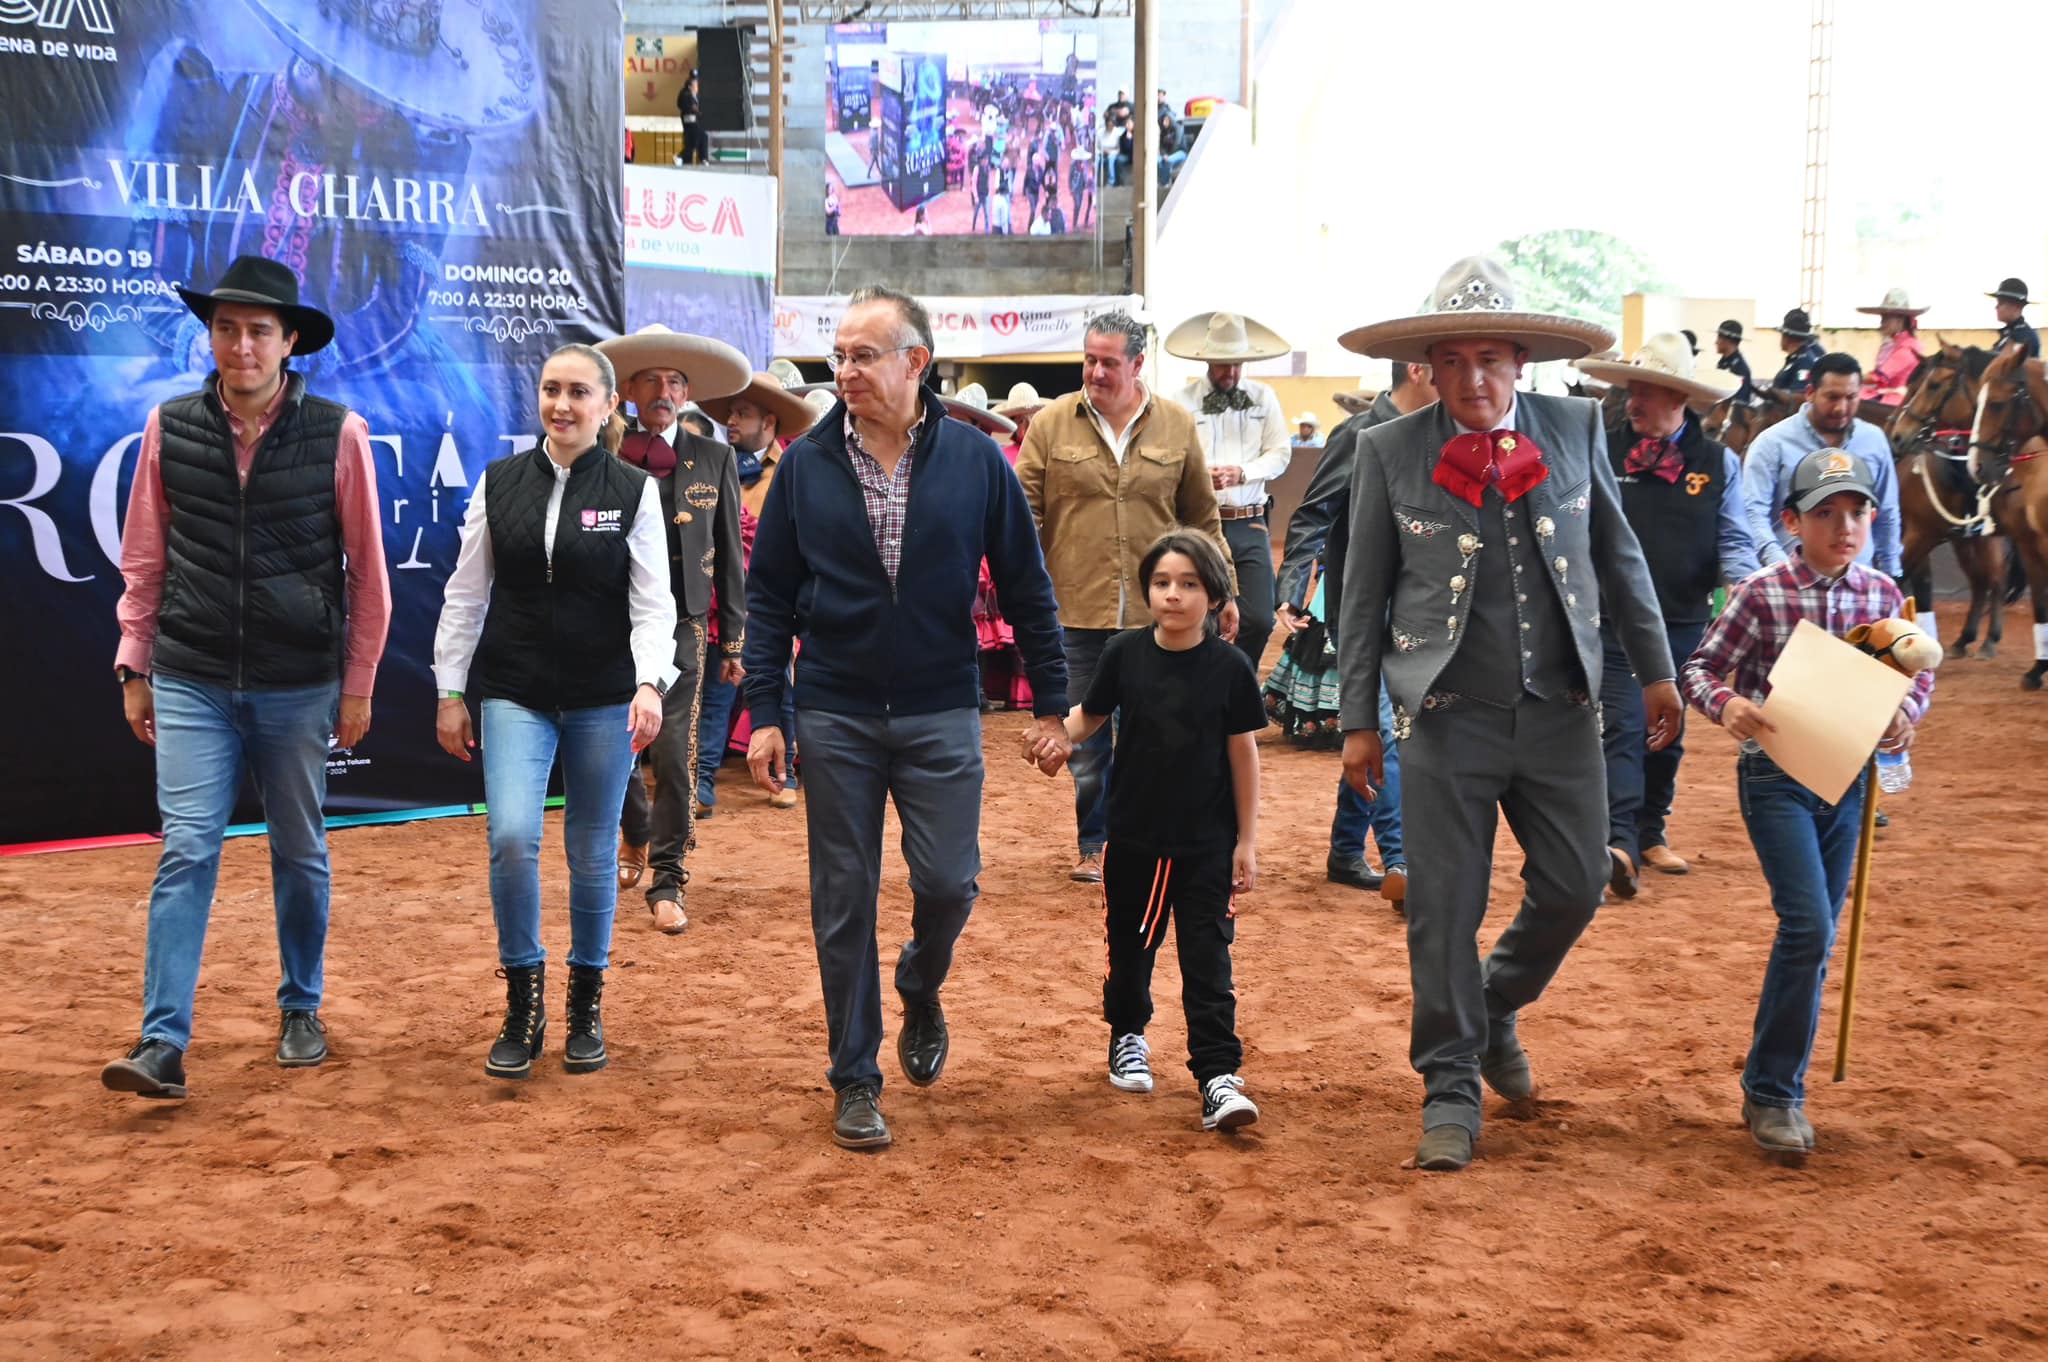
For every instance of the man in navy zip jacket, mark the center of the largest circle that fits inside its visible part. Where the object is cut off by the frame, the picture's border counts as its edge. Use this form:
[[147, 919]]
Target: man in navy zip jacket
[[868, 552]]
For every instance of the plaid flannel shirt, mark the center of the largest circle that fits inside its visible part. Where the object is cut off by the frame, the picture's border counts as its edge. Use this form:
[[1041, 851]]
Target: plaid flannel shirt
[[1742, 645], [887, 497]]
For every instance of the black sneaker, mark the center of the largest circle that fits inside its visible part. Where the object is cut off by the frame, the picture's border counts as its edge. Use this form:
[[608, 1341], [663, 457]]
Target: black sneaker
[[1224, 1105], [154, 1068], [858, 1123], [301, 1040], [1130, 1063]]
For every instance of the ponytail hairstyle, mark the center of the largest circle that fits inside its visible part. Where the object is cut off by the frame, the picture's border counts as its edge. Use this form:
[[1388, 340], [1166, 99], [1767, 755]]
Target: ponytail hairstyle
[[614, 431]]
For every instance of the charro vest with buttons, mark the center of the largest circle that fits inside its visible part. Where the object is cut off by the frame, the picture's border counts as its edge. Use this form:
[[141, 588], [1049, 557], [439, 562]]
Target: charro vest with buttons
[[558, 633], [1516, 639], [253, 594]]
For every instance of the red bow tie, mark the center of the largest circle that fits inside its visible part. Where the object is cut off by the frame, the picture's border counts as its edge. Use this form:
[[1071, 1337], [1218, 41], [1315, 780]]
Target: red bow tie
[[1658, 457], [644, 449], [1504, 457]]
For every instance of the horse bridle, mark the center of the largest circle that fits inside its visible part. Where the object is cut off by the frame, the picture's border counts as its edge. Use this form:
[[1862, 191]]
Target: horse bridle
[[2003, 451], [1927, 438]]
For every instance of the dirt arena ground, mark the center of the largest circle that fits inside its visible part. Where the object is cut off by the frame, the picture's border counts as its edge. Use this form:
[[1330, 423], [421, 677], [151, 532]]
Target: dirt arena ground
[[687, 1202]]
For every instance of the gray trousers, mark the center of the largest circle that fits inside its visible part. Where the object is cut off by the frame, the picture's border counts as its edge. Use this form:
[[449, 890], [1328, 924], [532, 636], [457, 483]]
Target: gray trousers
[[931, 765], [1539, 763]]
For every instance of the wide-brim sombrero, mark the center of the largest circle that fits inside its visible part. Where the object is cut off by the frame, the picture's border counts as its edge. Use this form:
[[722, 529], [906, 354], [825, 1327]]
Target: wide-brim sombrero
[[713, 368], [1475, 299], [792, 414], [1225, 338], [1665, 361]]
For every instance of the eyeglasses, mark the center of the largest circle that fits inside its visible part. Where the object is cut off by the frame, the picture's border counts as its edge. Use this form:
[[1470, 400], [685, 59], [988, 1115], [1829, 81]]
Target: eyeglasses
[[860, 359]]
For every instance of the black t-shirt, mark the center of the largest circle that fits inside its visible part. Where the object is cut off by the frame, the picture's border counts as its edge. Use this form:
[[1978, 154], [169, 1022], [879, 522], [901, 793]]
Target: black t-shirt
[[1170, 789]]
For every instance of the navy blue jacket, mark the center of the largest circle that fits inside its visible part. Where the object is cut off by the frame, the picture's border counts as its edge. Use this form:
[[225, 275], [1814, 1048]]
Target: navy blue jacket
[[868, 648]]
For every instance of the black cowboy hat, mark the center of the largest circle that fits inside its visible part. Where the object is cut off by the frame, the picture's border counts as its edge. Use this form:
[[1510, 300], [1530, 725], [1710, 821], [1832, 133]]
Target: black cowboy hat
[[1797, 325], [1730, 330], [260, 282], [2013, 291]]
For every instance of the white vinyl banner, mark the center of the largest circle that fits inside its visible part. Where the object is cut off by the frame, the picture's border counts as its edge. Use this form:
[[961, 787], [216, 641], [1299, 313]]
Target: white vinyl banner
[[965, 328], [700, 220]]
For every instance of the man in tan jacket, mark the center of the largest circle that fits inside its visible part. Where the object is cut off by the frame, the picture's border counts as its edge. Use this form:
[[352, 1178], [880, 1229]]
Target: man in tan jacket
[[1108, 470]]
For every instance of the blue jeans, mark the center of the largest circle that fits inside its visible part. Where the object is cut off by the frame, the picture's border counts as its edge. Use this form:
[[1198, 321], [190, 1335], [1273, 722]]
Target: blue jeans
[[1381, 817], [1808, 852], [714, 733], [206, 736], [519, 747], [1640, 783], [931, 765], [1090, 762]]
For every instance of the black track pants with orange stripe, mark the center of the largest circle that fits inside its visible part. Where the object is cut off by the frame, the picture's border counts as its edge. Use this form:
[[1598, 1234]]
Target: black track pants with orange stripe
[[1140, 892]]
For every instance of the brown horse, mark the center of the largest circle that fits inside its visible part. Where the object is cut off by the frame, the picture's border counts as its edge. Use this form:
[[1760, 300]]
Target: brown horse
[[2008, 442], [1735, 423], [1937, 497]]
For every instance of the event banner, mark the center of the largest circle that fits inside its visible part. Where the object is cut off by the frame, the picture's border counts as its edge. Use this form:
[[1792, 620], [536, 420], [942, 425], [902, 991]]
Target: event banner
[[439, 174], [954, 129], [964, 328], [700, 255]]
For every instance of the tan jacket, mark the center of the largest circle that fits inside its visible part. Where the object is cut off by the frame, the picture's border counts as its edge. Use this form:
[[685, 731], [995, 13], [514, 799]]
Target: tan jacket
[[1096, 517]]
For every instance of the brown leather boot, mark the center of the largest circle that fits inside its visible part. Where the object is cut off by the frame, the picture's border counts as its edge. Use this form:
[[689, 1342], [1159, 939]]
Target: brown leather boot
[[632, 863]]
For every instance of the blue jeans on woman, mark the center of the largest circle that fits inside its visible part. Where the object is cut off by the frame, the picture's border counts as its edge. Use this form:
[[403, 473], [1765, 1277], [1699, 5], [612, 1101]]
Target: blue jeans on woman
[[519, 749], [206, 735], [1807, 848]]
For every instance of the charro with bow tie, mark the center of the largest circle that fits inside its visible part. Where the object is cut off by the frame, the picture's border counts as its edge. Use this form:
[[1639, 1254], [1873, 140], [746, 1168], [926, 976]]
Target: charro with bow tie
[[1486, 543]]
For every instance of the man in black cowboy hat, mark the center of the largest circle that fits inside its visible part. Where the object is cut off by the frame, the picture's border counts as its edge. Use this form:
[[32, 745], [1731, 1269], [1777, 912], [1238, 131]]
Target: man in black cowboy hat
[[2013, 329], [254, 617], [1728, 345], [1801, 344]]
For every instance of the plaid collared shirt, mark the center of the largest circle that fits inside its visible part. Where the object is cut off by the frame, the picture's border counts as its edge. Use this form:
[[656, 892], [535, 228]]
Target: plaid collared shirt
[[887, 496], [1742, 645]]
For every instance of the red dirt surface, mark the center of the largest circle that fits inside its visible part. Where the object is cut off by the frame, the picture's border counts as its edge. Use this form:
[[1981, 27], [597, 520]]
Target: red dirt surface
[[686, 1202]]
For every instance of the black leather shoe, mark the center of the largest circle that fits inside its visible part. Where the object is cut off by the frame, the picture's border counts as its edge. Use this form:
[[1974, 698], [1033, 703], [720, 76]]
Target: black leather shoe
[[858, 1123], [1354, 871], [1505, 1064], [922, 1042], [525, 1028], [154, 1068], [301, 1040], [584, 1052], [1622, 876]]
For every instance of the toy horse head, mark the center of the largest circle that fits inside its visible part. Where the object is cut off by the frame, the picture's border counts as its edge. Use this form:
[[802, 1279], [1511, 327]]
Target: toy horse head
[[1898, 643]]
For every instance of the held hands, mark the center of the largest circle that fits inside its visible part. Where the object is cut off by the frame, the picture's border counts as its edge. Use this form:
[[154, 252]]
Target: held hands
[[1745, 718], [1292, 620], [643, 719], [138, 706], [767, 758], [731, 672], [451, 727], [1663, 714], [1364, 763], [352, 724], [1046, 744]]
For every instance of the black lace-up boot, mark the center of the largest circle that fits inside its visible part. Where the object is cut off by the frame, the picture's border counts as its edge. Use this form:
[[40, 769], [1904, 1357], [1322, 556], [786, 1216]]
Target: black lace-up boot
[[526, 1023], [584, 1051]]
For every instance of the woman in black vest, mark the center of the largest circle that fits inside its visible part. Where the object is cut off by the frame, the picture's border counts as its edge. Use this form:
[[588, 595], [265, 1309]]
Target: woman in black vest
[[559, 620]]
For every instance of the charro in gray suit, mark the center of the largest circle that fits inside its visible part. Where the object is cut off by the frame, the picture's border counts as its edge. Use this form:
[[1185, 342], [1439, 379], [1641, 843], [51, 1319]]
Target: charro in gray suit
[[1484, 622]]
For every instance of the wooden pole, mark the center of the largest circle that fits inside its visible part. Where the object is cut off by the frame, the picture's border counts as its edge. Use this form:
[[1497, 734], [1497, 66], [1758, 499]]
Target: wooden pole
[[1144, 146], [1859, 896], [775, 123]]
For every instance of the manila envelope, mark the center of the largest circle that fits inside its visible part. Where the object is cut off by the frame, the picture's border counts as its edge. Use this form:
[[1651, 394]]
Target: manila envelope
[[1829, 704]]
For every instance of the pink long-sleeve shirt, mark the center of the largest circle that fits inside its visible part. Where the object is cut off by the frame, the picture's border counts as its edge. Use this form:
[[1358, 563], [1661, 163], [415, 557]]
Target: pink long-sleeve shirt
[[362, 539]]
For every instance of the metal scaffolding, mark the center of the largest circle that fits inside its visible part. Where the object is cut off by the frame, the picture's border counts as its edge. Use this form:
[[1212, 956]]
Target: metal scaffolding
[[1813, 240]]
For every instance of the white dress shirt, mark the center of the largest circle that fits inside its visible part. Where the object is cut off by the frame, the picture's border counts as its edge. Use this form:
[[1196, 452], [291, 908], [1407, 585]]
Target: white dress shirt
[[1118, 443], [650, 603], [1254, 441]]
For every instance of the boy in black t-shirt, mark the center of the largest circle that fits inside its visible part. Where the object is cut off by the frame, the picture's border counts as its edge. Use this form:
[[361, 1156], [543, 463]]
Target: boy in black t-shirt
[[1183, 816]]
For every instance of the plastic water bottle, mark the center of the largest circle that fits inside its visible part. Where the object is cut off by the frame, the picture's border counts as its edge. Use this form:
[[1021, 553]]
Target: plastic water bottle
[[1894, 772]]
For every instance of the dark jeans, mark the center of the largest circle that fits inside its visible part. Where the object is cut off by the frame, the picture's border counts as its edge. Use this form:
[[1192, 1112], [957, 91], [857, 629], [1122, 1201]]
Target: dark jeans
[[1382, 817], [668, 829], [1090, 762], [1251, 552], [1464, 765], [1807, 849], [1140, 890], [930, 765], [1640, 783]]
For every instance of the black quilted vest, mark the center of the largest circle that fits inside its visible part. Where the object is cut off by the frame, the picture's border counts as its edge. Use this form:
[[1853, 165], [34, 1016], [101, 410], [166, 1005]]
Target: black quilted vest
[[253, 592], [558, 634]]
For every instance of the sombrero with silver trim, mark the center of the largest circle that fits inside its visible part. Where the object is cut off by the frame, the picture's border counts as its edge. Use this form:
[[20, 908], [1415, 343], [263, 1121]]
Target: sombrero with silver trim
[[1895, 302], [792, 414], [714, 368], [1225, 338], [1665, 361], [970, 404], [1476, 299]]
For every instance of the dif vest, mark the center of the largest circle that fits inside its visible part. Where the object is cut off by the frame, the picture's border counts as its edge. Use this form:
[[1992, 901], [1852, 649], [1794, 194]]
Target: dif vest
[[253, 595], [558, 633]]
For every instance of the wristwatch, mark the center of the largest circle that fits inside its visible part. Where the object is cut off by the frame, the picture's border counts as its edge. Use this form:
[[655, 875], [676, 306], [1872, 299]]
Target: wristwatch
[[660, 688], [125, 674]]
